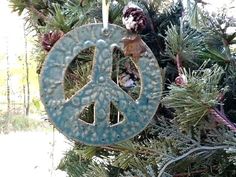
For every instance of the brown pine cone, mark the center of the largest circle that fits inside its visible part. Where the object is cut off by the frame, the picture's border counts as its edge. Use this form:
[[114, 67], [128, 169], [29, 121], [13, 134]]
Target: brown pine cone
[[49, 39], [134, 18]]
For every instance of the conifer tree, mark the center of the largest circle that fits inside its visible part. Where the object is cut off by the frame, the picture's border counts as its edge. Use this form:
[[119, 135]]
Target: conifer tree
[[193, 130]]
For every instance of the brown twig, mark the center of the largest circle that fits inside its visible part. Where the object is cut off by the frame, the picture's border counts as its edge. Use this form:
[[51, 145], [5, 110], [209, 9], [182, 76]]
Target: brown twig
[[81, 3], [40, 14], [140, 150], [220, 117], [153, 30], [179, 63]]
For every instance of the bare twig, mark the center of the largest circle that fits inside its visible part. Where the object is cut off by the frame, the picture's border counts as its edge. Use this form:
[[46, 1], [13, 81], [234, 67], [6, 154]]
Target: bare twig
[[220, 117], [142, 150], [38, 13], [179, 63], [81, 3]]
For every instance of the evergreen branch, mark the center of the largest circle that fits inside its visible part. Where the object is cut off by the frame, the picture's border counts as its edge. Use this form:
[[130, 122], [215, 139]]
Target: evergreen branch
[[203, 148], [137, 150], [176, 133], [231, 150], [150, 10], [164, 144], [30, 6], [184, 42], [199, 94], [96, 170], [196, 172]]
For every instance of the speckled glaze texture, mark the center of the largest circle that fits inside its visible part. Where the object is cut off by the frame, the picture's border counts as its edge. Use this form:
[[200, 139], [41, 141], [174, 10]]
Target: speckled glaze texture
[[101, 90]]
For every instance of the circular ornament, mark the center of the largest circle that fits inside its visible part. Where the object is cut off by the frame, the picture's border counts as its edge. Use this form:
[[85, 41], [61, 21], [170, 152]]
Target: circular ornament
[[101, 90]]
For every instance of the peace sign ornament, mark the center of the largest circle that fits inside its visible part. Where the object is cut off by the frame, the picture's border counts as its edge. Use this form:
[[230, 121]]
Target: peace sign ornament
[[101, 90]]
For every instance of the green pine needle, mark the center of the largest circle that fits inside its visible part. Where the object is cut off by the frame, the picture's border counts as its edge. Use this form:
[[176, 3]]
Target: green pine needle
[[183, 41], [192, 101]]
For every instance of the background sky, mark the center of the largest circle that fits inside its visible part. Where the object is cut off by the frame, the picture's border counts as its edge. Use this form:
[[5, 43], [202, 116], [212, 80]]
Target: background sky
[[11, 31]]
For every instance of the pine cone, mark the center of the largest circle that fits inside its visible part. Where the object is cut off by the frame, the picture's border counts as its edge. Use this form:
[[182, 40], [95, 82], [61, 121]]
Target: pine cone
[[134, 18], [49, 39]]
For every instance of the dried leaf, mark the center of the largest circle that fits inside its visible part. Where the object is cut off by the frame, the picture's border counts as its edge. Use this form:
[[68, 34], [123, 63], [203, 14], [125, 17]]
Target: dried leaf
[[134, 46]]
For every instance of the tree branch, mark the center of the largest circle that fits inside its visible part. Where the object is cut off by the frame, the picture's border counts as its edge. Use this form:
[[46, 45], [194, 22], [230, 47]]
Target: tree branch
[[138, 150], [179, 63], [37, 12], [81, 3], [200, 171], [203, 148]]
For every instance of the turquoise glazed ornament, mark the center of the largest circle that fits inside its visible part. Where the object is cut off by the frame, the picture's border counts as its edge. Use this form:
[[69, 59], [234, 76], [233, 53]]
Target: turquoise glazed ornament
[[101, 90]]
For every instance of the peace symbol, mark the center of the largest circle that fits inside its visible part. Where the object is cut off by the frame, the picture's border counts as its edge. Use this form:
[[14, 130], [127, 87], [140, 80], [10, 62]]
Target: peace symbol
[[101, 90]]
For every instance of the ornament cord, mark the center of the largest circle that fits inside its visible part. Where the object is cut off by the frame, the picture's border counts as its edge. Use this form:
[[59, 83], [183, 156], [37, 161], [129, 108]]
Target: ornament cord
[[105, 13]]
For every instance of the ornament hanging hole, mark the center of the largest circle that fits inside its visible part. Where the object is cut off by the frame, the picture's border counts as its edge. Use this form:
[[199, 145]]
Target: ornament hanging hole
[[105, 32]]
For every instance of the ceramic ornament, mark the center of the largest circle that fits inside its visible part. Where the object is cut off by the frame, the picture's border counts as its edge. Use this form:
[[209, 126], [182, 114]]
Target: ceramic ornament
[[101, 90]]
